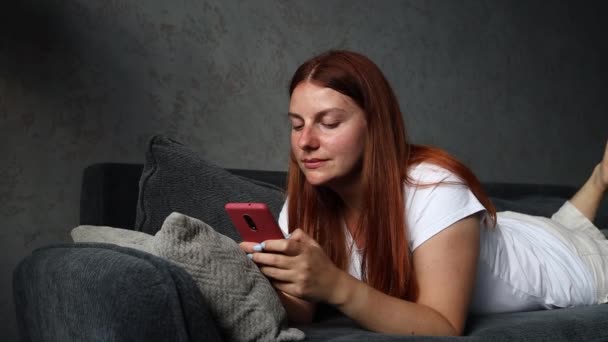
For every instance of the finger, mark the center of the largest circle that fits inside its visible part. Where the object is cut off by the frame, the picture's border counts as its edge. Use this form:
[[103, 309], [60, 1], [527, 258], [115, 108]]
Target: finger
[[277, 274], [271, 259], [283, 246], [247, 247]]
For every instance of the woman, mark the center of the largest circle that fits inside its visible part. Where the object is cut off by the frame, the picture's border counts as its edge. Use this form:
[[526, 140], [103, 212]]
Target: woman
[[402, 238]]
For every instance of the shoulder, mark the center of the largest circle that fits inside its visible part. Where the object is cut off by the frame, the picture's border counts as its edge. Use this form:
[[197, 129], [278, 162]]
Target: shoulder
[[432, 186], [435, 199], [427, 173]]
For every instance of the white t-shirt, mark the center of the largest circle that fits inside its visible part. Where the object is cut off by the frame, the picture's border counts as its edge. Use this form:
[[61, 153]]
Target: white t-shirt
[[523, 264]]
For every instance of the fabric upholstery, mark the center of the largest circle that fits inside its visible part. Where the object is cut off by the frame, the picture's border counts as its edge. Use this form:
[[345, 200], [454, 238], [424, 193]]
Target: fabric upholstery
[[583, 323], [574, 324], [103, 292], [175, 178], [118, 236], [241, 300], [61, 294], [97, 201]]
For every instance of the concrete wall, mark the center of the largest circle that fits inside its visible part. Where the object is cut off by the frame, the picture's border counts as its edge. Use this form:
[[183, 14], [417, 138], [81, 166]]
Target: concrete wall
[[517, 89]]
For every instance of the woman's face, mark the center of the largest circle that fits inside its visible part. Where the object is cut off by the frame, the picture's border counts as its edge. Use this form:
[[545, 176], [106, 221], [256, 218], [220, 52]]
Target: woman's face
[[327, 135]]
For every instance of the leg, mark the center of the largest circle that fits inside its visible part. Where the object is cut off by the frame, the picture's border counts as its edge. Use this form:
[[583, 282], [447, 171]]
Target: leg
[[589, 196]]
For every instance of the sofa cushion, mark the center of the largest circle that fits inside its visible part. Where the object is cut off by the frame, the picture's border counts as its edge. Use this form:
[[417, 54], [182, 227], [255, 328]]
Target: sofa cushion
[[585, 323], [240, 298], [175, 178], [531, 205], [104, 292]]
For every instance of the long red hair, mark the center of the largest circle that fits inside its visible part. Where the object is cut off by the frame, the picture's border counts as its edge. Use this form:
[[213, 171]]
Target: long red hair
[[387, 260]]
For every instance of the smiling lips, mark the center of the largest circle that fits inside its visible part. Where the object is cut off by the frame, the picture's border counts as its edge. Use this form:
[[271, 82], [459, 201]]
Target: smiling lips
[[313, 163]]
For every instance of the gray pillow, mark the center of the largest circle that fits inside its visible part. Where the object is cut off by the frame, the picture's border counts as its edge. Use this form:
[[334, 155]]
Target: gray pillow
[[177, 179], [246, 305], [242, 301]]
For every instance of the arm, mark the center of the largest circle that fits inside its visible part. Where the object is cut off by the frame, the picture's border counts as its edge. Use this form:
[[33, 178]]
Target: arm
[[445, 266], [299, 311]]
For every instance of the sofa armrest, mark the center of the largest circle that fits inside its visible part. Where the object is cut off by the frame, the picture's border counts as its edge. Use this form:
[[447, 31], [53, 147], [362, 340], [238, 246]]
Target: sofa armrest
[[103, 292]]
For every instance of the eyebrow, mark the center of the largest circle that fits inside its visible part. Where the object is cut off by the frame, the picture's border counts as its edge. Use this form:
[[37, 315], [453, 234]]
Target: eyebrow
[[318, 114]]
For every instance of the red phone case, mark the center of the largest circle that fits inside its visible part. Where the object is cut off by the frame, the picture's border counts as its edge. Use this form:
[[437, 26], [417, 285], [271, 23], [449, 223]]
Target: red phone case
[[254, 221]]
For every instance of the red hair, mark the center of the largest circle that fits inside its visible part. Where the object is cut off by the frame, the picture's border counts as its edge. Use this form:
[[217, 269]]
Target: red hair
[[387, 260]]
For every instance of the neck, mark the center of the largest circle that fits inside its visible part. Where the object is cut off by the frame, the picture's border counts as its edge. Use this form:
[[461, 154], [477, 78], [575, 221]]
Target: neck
[[351, 194]]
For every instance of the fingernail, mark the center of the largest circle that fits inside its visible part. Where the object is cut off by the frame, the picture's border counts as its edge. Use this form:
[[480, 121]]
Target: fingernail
[[258, 247], [250, 256]]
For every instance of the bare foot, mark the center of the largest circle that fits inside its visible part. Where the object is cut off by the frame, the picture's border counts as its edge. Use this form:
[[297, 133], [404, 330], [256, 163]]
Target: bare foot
[[601, 172]]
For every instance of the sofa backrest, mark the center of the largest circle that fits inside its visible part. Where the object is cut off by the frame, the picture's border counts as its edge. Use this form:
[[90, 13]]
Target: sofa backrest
[[109, 193]]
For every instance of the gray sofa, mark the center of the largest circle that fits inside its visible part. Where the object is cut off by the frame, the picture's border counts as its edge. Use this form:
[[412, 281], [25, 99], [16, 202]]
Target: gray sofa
[[102, 292]]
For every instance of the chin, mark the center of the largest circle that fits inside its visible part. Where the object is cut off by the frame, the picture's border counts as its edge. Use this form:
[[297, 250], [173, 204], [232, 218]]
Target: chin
[[332, 180], [316, 179]]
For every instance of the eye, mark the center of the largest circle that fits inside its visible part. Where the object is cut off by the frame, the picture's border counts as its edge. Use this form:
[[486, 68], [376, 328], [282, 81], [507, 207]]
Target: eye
[[330, 125], [296, 127]]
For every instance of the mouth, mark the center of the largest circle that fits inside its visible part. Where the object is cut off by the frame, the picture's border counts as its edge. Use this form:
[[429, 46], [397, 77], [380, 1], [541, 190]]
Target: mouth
[[313, 163]]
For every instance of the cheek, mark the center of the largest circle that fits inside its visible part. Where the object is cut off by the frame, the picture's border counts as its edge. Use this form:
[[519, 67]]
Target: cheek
[[348, 147], [293, 140]]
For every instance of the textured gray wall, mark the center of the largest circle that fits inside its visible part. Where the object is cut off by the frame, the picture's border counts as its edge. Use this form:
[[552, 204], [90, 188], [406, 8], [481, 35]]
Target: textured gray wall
[[515, 89]]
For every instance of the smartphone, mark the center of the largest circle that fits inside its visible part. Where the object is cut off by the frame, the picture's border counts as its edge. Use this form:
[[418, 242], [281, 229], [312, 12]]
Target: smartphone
[[254, 221]]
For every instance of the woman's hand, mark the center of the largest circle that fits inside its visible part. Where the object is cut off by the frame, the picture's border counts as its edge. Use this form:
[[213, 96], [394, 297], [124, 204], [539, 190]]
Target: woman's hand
[[297, 266]]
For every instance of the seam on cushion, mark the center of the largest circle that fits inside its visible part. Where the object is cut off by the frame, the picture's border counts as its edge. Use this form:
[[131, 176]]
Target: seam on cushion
[[168, 144], [164, 198], [142, 187], [190, 329], [181, 304]]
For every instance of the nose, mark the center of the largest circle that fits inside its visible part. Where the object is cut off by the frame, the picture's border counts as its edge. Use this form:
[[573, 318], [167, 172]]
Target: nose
[[308, 139]]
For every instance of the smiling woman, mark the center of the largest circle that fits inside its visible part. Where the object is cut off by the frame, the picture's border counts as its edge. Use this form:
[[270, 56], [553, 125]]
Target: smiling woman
[[401, 237]]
